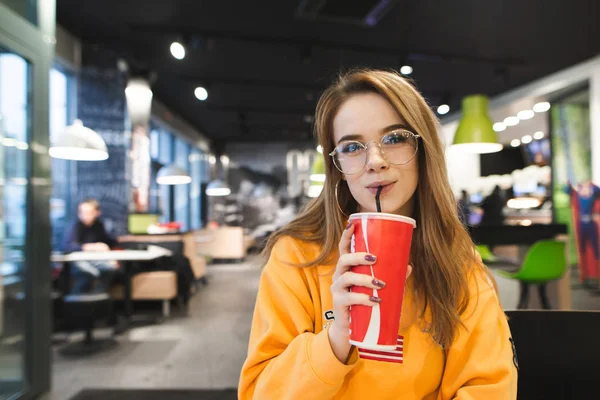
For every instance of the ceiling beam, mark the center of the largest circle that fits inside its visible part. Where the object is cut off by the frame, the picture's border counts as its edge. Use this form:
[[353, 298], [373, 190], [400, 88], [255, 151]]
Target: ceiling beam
[[325, 44], [258, 109], [250, 82]]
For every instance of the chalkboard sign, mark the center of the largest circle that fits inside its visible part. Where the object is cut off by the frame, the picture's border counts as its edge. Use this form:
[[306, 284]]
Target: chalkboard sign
[[101, 107]]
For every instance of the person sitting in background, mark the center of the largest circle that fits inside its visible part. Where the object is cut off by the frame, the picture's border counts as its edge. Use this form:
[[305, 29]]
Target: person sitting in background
[[89, 234], [464, 207], [493, 207]]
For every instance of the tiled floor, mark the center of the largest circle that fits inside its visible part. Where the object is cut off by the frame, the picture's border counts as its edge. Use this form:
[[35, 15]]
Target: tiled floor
[[204, 349]]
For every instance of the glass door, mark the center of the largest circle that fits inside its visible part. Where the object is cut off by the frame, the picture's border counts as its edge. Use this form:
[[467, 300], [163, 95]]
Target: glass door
[[26, 52], [15, 119]]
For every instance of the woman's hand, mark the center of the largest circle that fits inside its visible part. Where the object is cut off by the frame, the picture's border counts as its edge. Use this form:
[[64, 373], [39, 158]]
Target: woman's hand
[[343, 298]]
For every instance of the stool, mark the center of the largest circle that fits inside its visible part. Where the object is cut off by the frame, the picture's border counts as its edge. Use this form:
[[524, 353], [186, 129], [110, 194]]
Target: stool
[[81, 312]]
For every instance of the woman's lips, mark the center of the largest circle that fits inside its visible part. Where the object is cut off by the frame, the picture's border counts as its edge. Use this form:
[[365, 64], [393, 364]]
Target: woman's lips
[[386, 188]]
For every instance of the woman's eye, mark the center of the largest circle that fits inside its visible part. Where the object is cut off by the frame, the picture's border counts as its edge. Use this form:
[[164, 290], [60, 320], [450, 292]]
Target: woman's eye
[[394, 138], [347, 148]]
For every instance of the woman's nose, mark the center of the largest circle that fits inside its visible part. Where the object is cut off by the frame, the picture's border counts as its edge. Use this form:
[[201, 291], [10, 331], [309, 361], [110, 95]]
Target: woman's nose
[[375, 159]]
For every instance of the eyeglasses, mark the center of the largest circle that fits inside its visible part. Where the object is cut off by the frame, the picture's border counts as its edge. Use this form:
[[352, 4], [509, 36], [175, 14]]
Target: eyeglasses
[[396, 147]]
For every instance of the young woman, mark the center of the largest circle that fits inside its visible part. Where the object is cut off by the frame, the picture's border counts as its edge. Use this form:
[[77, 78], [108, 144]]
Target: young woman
[[377, 130]]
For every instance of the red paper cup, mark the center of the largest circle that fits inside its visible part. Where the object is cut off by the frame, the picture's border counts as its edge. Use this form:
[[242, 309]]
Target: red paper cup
[[388, 237]]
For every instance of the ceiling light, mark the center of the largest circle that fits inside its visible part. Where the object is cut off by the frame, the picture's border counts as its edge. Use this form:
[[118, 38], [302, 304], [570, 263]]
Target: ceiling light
[[511, 121], [443, 109], [212, 160], [217, 188], [80, 144], [320, 149], [139, 100], [172, 175], [515, 143], [406, 70], [541, 107], [475, 133], [201, 93], [526, 139], [525, 114], [499, 127], [177, 50], [538, 135]]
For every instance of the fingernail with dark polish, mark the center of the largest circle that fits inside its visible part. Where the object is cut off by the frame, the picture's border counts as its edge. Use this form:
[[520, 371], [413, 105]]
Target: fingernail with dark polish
[[370, 257], [379, 283], [349, 225], [375, 299]]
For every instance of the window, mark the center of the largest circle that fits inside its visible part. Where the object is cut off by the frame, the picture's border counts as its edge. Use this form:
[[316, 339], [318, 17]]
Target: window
[[195, 189], [182, 192], [60, 199], [180, 203]]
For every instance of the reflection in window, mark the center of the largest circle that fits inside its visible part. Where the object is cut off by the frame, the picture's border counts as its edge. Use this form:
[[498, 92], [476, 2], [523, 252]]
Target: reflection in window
[[60, 199], [15, 86]]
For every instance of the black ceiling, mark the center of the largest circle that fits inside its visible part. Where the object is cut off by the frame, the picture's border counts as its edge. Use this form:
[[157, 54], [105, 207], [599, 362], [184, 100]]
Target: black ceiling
[[264, 63]]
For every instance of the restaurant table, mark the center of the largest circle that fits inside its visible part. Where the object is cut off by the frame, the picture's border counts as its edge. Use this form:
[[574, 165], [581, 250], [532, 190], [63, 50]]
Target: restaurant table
[[127, 258]]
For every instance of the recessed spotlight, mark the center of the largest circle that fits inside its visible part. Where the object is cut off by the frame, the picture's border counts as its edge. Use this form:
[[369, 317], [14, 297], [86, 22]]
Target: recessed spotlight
[[320, 149], [511, 121], [201, 93], [515, 143], [406, 70], [443, 109], [541, 107], [499, 127], [177, 50], [538, 135], [525, 114], [526, 139]]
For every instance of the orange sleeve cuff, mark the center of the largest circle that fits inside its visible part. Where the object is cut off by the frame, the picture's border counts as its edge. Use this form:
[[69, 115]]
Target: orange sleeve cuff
[[323, 361]]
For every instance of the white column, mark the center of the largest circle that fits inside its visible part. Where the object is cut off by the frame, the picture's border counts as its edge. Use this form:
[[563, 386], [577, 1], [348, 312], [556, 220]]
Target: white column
[[595, 123]]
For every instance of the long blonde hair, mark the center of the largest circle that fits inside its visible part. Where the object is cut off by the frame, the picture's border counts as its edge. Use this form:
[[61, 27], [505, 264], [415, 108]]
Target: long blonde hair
[[442, 251]]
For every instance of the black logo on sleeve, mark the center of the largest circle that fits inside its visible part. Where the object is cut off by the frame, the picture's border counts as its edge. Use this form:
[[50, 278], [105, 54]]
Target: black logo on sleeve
[[329, 315], [514, 349]]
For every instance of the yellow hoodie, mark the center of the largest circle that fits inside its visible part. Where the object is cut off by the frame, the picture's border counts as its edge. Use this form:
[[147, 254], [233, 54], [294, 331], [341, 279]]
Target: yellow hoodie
[[289, 355]]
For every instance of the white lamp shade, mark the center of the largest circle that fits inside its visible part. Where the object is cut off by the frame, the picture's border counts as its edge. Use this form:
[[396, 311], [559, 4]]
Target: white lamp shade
[[139, 101], [172, 175], [80, 144], [217, 188]]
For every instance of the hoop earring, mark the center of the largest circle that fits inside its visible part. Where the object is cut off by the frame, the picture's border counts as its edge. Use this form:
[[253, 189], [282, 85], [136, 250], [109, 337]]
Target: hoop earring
[[337, 200]]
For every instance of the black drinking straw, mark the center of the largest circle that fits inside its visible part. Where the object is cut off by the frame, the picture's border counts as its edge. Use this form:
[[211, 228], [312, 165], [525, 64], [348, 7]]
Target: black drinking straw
[[377, 202]]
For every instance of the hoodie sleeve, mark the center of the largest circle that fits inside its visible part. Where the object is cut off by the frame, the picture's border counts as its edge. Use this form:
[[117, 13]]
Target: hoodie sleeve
[[482, 363], [286, 358]]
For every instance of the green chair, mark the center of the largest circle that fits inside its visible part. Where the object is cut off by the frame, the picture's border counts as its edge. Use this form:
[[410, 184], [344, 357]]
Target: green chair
[[545, 261], [486, 254]]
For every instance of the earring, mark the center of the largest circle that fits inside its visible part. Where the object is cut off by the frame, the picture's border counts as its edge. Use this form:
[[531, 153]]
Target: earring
[[337, 200]]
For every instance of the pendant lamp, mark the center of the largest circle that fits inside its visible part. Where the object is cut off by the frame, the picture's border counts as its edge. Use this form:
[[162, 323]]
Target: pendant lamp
[[79, 143], [475, 132], [172, 175], [218, 186]]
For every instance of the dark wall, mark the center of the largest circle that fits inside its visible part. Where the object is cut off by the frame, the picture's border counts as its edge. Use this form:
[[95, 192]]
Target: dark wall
[[101, 107], [502, 162]]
